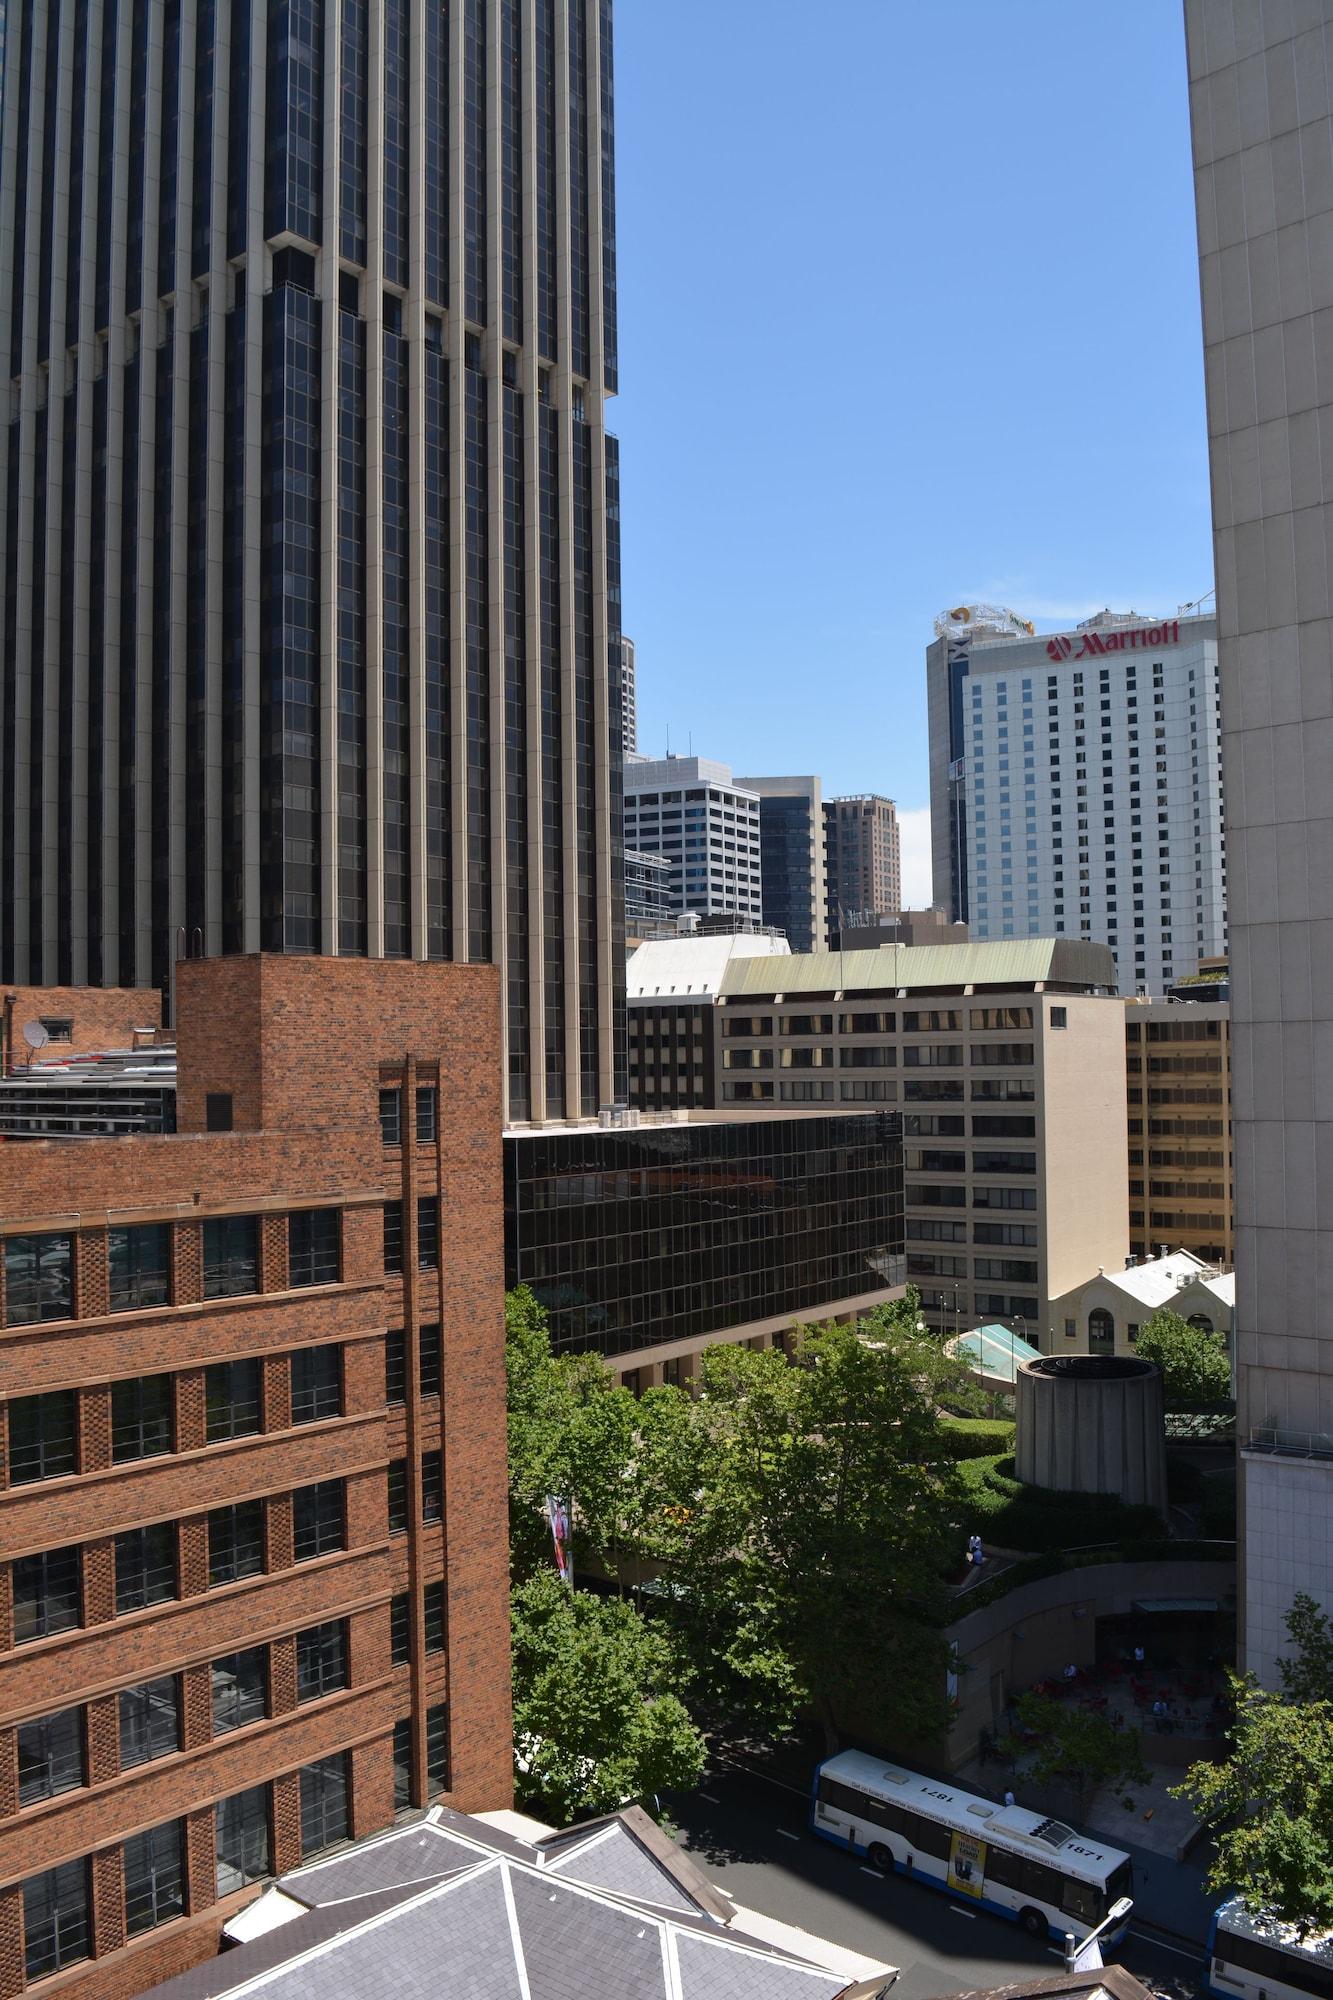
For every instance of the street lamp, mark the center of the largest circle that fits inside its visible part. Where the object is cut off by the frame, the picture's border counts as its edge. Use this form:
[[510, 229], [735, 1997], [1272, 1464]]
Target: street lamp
[[1087, 1955]]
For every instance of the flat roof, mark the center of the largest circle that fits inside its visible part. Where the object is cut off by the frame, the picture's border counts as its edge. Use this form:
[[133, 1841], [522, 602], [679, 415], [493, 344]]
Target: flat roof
[[1004, 964]]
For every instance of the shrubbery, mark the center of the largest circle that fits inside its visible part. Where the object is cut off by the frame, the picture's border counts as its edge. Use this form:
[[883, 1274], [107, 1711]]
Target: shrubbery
[[977, 1437], [1013, 1516]]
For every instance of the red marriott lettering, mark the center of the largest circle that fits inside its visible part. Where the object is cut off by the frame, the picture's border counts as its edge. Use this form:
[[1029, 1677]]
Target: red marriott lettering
[[1120, 639]]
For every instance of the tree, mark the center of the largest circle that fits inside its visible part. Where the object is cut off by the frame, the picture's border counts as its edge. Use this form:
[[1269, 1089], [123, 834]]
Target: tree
[[1271, 1807], [1309, 1677], [1080, 1746], [1195, 1365], [595, 1722]]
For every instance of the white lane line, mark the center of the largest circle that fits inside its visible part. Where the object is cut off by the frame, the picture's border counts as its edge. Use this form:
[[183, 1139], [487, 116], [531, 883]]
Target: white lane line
[[872, 1871], [788, 1836], [1055, 1951], [801, 1791], [959, 1911], [711, 1797], [1158, 1944]]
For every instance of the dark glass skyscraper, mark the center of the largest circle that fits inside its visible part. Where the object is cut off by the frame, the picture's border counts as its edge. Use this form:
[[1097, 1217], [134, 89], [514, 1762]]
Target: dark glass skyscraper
[[310, 518]]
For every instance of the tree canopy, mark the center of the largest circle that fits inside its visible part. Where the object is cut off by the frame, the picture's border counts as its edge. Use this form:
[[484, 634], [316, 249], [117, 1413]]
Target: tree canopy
[[1308, 1677], [1195, 1364], [1081, 1747]]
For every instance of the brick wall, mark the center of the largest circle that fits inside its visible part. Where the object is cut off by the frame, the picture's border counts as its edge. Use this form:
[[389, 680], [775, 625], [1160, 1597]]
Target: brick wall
[[101, 1017]]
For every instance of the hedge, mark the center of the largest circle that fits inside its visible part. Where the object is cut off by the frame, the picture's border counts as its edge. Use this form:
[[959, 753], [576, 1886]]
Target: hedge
[[1038, 1518], [976, 1437]]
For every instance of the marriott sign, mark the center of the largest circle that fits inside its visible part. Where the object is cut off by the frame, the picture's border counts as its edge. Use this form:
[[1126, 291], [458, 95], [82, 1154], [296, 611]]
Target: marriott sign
[[1120, 639]]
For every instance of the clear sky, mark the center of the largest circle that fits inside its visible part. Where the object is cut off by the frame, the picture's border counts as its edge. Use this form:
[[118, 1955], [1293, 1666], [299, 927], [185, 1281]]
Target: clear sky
[[909, 316]]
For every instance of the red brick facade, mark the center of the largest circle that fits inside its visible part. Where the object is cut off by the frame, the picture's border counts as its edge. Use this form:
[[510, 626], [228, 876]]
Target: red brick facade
[[99, 1017], [303, 1048]]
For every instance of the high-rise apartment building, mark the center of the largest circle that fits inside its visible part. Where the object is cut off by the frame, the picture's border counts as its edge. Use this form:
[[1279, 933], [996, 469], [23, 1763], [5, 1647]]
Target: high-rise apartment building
[[629, 699], [792, 858], [694, 812], [1075, 785], [309, 517], [863, 858], [1260, 104]]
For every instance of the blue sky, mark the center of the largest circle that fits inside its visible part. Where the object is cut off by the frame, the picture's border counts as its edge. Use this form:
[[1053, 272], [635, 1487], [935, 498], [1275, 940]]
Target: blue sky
[[908, 315]]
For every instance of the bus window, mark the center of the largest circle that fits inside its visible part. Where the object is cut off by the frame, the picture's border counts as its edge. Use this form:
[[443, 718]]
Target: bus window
[[1082, 1900]]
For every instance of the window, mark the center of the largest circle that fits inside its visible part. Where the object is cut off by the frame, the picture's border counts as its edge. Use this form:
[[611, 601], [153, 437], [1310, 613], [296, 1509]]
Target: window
[[437, 1749], [55, 1918], [149, 1721], [231, 1256], [432, 1486], [400, 1630], [435, 1617], [232, 1399], [46, 1594], [42, 1437], [145, 1567], [397, 1496], [391, 1116], [402, 1763], [324, 1815], [242, 1839], [321, 1660], [39, 1279], [50, 1755], [141, 1425], [217, 1111], [317, 1519], [235, 1542], [59, 1027], [395, 1366], [428, 1233], [426, 1113], [317, 1388], [240, 1689], [393, 1236], [139, 1266], [431, 1359], [314, 1247], [1059, 1017], [154, 1877]]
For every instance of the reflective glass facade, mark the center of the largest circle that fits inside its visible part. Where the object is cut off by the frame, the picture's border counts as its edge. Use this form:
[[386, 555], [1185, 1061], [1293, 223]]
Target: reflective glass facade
[[309, 544], [637, 1237]]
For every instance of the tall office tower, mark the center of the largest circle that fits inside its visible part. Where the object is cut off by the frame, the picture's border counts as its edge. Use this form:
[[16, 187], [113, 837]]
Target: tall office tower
[[309, 533], [1075, 785], [694, 812], [864, 864], [1260, 105], [629, 699], [792, 858]]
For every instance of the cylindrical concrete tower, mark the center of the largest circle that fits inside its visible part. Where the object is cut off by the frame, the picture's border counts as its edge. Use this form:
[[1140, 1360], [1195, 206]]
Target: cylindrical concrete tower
[[1092, 1423]]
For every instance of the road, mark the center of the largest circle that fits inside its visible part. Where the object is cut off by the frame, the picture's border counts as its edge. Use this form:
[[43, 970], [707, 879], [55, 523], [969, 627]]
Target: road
[[749, 1834]]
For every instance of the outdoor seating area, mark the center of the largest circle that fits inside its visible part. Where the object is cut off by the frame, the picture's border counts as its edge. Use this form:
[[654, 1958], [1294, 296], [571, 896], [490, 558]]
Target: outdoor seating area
[[1158, 1696]]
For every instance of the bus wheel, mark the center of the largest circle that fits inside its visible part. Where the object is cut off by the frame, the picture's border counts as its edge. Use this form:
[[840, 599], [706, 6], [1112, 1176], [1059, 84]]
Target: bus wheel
[[1034, 1923], [881, 1858]]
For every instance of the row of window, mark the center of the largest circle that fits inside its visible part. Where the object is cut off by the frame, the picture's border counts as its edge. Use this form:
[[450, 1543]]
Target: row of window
[[391, 1114], [47, 1587], [921, 1021]]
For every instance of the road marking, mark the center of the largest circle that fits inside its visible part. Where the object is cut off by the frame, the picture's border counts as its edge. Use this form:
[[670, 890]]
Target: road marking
[[801, 1791], [711, 1797], [1144, 1938], [959, 1911], [788, 1836], [872, 1871], [1055, 1951]]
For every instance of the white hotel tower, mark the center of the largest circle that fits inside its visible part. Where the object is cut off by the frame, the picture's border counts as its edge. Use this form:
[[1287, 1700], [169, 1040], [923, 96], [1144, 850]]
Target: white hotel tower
[[1075, 785]]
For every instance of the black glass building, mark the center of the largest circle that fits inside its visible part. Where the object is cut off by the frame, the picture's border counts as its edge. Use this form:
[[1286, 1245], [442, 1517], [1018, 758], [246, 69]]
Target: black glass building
[[635, 1238], [308, 513]]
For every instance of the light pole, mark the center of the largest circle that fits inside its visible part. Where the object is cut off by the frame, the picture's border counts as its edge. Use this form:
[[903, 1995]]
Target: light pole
[[1086, 1955]]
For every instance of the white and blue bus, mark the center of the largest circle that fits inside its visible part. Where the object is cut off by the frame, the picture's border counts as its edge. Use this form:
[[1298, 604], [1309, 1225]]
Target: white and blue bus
[[1038, 1872], [1253, 1957]]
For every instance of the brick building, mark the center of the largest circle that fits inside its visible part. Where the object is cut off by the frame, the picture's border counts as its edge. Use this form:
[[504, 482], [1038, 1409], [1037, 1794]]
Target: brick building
[[252, 1483]]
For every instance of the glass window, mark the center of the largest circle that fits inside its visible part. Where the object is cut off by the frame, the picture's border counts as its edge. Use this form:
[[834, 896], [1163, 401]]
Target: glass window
[[46, 1594], [231, 1256], [232, 1395], [154, 1877], [145, 1566], [242, 1839], [139, 1266], [141, 1417], [236, 1542], [240, 1689], [149, 1721], [395, 1365], [400, 1630], [317, 1385], [43, 1436], [435, 1617], [432, 1486], [324, 1811], [321, 1660], [39, 1279], [402, 1762], [393, 1236], [50, 1755], [55, 1918], [428, 1233], [317, 1519], [217, 1111], [391, 1116], [437, 1749], [314, 1247], [426, 1113], [397, 1496], [431, 1359]]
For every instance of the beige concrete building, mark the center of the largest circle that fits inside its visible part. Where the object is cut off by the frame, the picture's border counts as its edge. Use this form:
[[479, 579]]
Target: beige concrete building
[[1007, 1060], [1104, 1315], [1260, 107], [1178, 1084], [864, 858]]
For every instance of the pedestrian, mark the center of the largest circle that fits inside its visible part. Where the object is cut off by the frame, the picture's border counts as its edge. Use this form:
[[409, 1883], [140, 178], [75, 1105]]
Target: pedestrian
[[1071, 1672], [1138, 1656], [1009, 1799]]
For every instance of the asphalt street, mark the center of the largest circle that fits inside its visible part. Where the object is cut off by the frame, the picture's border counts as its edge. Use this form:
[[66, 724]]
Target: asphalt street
[[749, 1833]]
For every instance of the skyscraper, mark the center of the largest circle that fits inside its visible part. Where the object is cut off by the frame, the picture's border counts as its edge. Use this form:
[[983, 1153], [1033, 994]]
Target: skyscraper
[[310, 520], [1260, 104], [793, 865], [864, 858], [629, 698], [694, 812]]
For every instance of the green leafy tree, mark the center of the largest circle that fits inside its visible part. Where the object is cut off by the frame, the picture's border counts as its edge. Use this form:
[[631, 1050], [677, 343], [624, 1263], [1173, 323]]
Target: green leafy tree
[[1081, 1747], [1270, 1806], [1309, 1677], [596, 1724], [1195, 1365]]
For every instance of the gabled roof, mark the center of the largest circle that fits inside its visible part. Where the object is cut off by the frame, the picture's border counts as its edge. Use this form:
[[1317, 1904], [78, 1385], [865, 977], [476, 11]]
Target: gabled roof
[[1004, 964], [1157, 1281], [692, 968]]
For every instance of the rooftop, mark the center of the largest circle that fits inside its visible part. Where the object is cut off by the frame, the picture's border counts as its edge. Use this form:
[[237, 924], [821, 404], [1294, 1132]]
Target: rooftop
[[694, 965], [1156, 1281], [999, 965]]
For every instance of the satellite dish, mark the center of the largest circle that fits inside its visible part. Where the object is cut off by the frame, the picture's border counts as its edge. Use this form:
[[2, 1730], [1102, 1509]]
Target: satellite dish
[[35, 1035]]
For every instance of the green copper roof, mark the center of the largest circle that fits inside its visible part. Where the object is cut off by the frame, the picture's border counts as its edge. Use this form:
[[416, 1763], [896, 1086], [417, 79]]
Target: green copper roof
[[997, 962]]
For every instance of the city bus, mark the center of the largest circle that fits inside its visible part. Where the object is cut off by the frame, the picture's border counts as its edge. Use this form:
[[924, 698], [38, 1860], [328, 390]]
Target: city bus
[[1038, 1872], [1253, 1957]]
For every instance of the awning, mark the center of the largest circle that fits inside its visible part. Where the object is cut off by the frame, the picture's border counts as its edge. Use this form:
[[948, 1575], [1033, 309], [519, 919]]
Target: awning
[[1175, 1604]]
